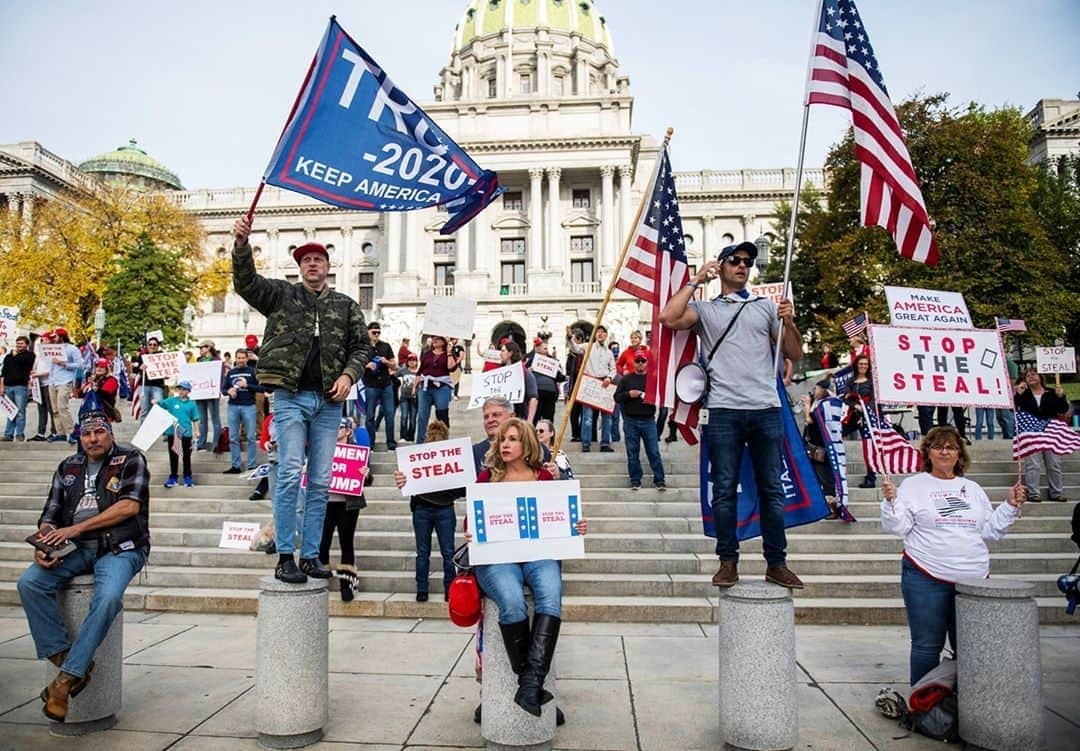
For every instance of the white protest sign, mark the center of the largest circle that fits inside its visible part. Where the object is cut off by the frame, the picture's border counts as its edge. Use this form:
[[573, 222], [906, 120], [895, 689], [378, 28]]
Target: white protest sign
[[10, 409], [441, 465], [545, 365], [162, 364], [929, 308], [772, 291], [938, 367], [594, 394], [156, 334], [514, 522], [1055, 359], [156, 422], [451, 317], [205, 378], [493, 356], [508, 381], [52, 351], [35, 390], [238, 535], [9, 318]]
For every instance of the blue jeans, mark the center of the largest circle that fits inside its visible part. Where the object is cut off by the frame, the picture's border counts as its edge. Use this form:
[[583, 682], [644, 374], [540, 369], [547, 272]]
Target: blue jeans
[[505, 583], [729, 430], [440, 519], [642, 429], [385, 397], [209, 410], [425, 398], [17, 427], [984, 415], [37, 592], [616, 419], [586, 427], [931, 614], [151, 394], [1006, 420], [303, 418], [408, 419], [245, 413]]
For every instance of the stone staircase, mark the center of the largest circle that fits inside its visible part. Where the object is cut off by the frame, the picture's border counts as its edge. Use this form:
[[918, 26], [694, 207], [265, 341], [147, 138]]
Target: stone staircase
[[647, 558]]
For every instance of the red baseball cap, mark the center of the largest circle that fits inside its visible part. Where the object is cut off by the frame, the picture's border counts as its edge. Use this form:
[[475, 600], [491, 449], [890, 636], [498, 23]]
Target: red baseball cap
[[251, 340], [59, 332], [101, 364], [537, 341], [640, 353], [306, 248], [464, 596]]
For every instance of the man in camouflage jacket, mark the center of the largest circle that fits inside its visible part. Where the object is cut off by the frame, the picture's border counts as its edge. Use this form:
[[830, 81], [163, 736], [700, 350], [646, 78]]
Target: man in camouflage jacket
[[314, 349]]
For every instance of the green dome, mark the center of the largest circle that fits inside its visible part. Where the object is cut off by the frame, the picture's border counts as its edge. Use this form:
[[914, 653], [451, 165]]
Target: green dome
[[131, 161], [484, 17]]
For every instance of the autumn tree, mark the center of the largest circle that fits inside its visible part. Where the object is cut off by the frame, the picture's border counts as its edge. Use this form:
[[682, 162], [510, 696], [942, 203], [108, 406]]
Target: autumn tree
[[1057, 202]]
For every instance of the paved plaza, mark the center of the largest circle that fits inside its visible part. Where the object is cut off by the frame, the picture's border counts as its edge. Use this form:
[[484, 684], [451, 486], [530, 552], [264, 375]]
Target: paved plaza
[[409, 684]]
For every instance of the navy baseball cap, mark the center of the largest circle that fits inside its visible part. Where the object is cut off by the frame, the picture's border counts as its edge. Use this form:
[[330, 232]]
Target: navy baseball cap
[[749, 247]]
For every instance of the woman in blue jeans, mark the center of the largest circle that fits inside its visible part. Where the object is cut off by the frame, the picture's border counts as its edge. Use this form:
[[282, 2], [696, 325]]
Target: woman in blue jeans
[[433, 385], [945, 520], [433, 512]]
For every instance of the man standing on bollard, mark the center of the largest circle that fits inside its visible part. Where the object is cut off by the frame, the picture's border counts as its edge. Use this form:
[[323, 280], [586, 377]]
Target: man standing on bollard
[[744, 407], [100, 500], [314, 349]]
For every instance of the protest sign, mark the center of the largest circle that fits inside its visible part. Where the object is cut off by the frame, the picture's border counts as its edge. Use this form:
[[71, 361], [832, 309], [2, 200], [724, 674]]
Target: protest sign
[[493, 356], [929, 308], [35, 390], [772, 291], [156, 334], [9, 319], [508, 381], [1055, 359], [238, 535], [545, 365], [52, 351], [345, 475], [449, 317], [156, 422], [263, 470], [594, 394], [162, 364], [8, 407], [939, 367], [205, 378], [441, 465], [524, 521]]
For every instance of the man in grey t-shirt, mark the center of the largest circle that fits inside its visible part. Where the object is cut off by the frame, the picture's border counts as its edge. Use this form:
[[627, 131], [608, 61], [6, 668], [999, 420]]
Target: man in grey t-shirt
[[744, 408]]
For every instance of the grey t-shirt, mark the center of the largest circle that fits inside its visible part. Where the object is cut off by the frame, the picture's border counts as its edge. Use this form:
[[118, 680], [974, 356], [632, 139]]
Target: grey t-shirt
[[88, 503], [741, 373]]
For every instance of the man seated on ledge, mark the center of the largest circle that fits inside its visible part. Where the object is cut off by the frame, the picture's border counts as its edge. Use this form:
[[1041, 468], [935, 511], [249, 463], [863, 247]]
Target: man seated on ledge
[[100, 500]]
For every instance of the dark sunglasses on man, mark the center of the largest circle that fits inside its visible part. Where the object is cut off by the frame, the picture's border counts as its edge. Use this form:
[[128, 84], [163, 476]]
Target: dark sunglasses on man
[[740, 261]]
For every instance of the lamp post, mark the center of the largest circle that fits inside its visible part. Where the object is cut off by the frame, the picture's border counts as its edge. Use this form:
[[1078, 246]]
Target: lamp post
[[762, 244], [245, 315], [189, 318], [99, 324]]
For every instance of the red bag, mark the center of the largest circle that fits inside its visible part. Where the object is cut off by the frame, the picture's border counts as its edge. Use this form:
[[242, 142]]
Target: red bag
[[223, 442], [464, 600]]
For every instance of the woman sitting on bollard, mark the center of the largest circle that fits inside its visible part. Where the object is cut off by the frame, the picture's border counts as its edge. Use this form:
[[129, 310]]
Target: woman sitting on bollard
[[945, 520], [515, 456]]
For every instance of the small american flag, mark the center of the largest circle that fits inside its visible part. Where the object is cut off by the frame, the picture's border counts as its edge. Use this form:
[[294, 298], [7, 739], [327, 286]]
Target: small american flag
[[136, 398], [856, 325], [1034, 435], [885, 450], [844, 73], [655, 269], [1005, 325]]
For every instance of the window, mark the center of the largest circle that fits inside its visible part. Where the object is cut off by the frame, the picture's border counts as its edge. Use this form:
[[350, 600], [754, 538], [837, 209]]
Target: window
[[558, 86], [221, 252], [513, 272], [582, 199], [446, 248], [582, 271], [218, 304], [330, 250], [367, 249], [512, 200], [493, 89], [525, 83], [444, 275], [366, 298], [727, 239], [581, 245], [688, 242], [512, 246]]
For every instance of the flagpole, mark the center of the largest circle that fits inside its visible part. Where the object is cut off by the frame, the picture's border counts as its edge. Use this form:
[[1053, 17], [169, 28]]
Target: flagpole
[[603, 306]]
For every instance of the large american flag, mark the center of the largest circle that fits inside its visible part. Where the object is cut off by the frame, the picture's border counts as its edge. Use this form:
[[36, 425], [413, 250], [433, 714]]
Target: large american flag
[[1034, 435], [654, 270], [844, 72], [885, 450]]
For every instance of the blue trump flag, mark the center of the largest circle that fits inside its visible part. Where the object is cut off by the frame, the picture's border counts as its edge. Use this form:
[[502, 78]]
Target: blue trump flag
[[356, 141], [804, 502]]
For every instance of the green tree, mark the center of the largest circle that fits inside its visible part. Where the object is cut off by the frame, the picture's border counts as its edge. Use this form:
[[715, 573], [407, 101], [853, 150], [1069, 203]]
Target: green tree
[[805, 274], [1057, 202]]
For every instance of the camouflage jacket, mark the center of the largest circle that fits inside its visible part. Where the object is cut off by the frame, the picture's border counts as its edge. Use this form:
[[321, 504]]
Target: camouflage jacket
[[292, 311]]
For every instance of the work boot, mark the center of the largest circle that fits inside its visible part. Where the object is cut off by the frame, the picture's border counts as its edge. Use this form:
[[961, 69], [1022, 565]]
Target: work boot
[[80, 684], [726, 575], [287, 571], [545, 635], [783, 576], [56, 695]]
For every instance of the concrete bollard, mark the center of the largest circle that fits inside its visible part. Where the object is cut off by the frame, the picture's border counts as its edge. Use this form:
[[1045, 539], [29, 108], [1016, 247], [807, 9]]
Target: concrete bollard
[[292, 663], [759, 702], [503, 724], [95, 708], [999, 668]]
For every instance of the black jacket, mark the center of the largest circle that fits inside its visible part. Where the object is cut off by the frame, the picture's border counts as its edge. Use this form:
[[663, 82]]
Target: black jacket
[[634, 407], [1051, 404]]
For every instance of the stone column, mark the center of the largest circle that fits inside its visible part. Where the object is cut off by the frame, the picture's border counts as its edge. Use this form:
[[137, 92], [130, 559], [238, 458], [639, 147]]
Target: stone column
[[759, 703], [626, 213], [345, 283], [271, 246], [292, 663], [706, 238], [536, 220], [463, 250], [556, 255], [393, 242], [748, 233], [609, 230], [95, 708], [999, 669]]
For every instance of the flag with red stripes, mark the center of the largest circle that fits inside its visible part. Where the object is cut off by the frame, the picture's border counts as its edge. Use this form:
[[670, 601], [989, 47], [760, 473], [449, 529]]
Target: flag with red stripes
[[1034, 435], [844, 72], [136, 397], [884, 449], [655, 269]]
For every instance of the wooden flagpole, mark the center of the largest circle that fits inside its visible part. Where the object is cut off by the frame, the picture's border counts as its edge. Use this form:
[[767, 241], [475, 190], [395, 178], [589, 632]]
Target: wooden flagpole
[[603, 306]]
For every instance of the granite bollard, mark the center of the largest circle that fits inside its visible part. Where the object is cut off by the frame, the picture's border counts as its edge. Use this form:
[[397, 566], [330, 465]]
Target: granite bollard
[[503, 724], [999, 669], [292, 663], [759, 703], [95, 708]]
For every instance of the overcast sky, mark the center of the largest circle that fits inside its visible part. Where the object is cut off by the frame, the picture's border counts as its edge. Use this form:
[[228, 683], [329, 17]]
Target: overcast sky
[[205, 86]]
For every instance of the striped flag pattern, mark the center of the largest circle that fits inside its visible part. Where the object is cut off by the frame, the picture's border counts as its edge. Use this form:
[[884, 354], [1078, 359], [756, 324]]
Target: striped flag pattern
[[885, 450], [136, 398], [856, 325], [1006, 325], [844, 72], [1034, 435]]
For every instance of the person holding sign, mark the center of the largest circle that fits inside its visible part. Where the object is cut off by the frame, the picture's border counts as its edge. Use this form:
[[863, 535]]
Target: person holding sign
[[61, 380], [510, 353], [433, 385], [1035, 400], [153, 388], [434, 512], [342, 514], [15, 385], [547, 385], [945, 520], [601, 365], [209, 409]]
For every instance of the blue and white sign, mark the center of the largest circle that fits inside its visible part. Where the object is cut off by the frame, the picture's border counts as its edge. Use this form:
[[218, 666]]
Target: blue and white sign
[[524, 521], [357, 141]]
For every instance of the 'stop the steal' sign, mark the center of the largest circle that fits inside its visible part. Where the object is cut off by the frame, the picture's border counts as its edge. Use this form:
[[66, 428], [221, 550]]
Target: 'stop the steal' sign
[[442, 465], [162, 364], [524, 521], [357, 141], [1055, 359], [9, 318], [508, 381], [929, 308]]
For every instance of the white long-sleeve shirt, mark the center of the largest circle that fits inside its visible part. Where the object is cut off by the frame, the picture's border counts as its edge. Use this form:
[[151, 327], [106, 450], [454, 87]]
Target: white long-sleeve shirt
[[945, 524], [601, 362]]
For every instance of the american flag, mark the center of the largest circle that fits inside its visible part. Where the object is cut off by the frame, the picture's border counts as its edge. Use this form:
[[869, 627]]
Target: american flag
[[844, 72], [856, 325], [136, 398], [1005, 325], [885, 450], [1034, 435], [654, 270]]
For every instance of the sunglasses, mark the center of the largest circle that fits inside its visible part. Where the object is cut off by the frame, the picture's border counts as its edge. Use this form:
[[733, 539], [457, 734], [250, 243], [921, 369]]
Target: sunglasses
[[374, 331], [740, 261]]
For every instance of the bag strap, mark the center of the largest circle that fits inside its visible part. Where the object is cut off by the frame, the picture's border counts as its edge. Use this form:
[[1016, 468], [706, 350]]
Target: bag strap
[[723, 336]]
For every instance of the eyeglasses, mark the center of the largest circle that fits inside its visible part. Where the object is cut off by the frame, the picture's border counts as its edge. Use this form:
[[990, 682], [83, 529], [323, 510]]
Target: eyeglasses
[[740, 261], [374, 331], [944, 449]]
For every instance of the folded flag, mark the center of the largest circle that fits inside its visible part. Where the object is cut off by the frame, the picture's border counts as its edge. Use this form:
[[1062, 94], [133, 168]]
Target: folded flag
[[1034, 435]]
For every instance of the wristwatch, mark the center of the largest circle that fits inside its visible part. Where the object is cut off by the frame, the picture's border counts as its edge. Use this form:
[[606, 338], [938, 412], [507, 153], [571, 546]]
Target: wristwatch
[[692, 284]]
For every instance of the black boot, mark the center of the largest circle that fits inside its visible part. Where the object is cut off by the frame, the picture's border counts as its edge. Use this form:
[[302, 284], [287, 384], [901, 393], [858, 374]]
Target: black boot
[[516, 638], [545, 635], [345, 581]]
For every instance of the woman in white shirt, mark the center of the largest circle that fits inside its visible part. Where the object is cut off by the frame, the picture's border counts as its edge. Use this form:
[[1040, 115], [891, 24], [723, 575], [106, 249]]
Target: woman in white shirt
[[945, 520]]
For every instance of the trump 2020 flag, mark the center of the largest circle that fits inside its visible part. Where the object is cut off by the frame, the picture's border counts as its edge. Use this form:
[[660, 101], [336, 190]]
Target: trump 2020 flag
[[357, 141], [804, 502]]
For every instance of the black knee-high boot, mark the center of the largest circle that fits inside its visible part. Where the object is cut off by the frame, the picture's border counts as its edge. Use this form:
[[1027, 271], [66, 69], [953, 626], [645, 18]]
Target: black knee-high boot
[[444, 415], [545, 635], [516, 638]]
